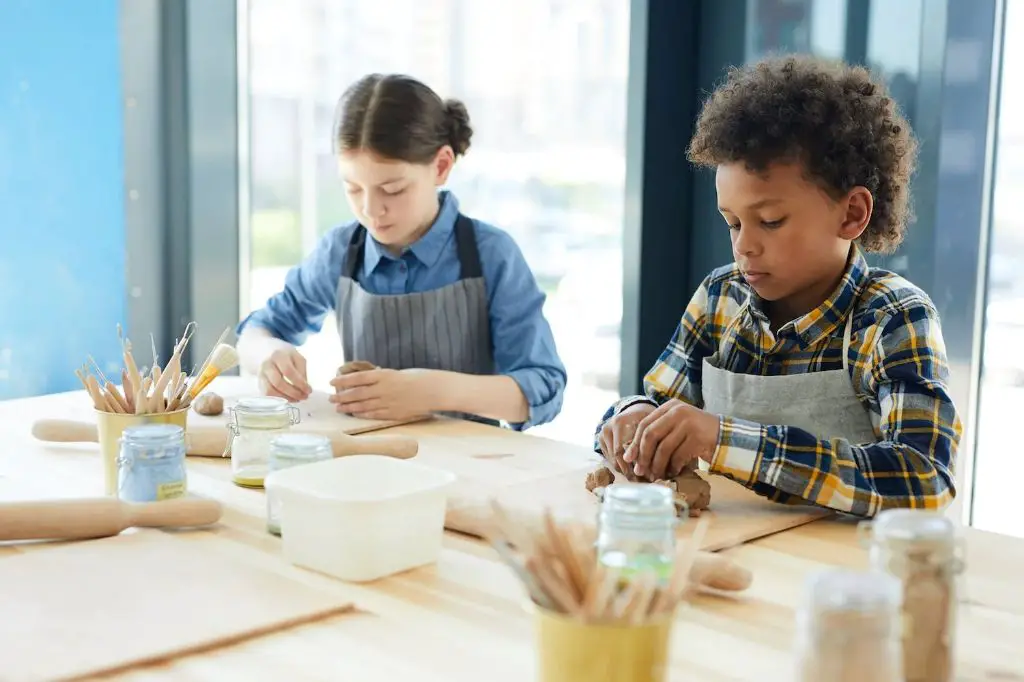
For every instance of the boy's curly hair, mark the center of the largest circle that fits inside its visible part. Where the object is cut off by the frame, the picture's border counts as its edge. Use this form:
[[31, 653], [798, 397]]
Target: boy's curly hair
[[836, 120]]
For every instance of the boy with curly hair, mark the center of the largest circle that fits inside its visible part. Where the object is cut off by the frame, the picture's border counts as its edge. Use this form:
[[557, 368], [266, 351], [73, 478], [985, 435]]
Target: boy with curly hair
[[799, 371]]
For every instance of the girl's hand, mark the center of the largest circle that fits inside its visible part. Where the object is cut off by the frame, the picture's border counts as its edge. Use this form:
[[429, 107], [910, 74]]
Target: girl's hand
[[283, 375], [384, 394]]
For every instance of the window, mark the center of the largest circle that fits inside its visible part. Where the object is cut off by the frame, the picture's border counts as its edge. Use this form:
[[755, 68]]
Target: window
[[545, 85], [998, 464]]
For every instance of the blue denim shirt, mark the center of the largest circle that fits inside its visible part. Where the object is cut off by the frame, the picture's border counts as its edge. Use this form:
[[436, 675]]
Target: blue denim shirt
[[524, 347]]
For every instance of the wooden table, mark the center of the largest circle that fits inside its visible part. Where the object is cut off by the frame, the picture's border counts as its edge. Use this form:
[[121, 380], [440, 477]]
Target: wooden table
[[410, 626]]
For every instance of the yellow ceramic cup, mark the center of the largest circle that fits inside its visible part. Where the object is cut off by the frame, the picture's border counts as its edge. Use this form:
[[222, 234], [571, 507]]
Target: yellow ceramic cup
[[571, 651], [110, 426]]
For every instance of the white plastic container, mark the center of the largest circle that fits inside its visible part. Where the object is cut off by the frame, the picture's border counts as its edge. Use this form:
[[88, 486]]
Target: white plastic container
[[361, 517]]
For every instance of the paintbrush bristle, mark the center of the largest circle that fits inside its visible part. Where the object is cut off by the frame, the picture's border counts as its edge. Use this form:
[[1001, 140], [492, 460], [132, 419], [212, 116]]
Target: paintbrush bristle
[[224, 357]]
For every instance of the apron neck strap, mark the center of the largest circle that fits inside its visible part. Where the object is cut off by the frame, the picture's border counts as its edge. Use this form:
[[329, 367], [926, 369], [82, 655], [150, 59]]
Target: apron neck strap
[[847, 333], [465, 245], [354, 255]]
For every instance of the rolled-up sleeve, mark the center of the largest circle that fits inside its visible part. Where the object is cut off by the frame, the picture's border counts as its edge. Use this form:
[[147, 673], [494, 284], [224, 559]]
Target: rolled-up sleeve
[[524, 346], [310, 292]]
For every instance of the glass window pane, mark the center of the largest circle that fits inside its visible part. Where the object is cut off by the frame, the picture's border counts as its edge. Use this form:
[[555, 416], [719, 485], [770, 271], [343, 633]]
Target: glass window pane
[[999, 466], [547, 162], [816, 26]]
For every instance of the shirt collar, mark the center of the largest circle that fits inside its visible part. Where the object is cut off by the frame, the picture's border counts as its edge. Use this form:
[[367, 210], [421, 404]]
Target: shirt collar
[[427, 248], [826, 318]]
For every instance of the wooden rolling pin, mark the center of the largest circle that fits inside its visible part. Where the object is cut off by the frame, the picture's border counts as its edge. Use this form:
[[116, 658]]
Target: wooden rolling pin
[[210, 441], [85, 518]]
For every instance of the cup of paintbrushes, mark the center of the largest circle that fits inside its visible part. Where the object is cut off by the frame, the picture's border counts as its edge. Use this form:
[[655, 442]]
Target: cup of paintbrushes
[[159, 396], [590, 625], [574, 649]]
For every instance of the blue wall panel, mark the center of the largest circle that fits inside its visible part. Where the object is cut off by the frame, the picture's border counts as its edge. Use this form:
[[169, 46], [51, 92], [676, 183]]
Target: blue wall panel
[[62, 234]]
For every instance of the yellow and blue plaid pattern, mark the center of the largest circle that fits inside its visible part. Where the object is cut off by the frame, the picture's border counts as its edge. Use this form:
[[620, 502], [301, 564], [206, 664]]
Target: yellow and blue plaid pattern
[[898, 367]]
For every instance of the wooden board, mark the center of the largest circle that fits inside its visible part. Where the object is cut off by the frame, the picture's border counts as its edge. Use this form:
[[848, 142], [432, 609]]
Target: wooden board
[[317, 413], [737, 514], [73, 610], [528, 473]]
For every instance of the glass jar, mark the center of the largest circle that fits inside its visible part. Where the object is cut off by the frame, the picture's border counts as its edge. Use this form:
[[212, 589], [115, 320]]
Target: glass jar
[[921, 550], [254, 423], [286, 451], [151, 463], [848, 628], [636, 530]]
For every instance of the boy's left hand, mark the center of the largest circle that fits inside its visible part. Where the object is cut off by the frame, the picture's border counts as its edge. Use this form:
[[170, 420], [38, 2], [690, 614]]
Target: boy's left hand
[[671, 437], [383, 394]]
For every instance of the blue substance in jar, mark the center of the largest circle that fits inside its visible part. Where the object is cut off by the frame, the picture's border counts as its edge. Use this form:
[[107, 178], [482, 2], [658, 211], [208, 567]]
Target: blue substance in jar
[[151, 466]]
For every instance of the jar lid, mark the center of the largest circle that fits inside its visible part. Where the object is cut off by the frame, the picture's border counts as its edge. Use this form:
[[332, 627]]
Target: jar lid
[[300, 443], [152, 433], [262, 405], [639, 498], [912, 525], [848, 590]]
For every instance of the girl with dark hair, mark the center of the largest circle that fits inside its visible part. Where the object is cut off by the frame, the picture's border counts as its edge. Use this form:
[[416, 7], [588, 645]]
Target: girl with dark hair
[[443, 305]]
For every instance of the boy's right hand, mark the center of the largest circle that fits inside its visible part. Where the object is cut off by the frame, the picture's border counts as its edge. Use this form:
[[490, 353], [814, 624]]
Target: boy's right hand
[[616, 435], [283, 374]]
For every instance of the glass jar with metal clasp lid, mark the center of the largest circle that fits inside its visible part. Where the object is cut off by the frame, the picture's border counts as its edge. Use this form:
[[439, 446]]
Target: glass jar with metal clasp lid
[[254, 423], [291, 450], [848, 628], [921, 549], [151, 463], [636, 530]]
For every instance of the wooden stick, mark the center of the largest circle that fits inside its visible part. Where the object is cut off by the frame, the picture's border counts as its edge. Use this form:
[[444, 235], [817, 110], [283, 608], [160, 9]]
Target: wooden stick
[[643, 607], [97, 400], [566, 555], [99, 372], [129, 396], [174, 364], [142, 397], [115, 395], [557, 590], [177, 388], [134, 376], [98, 395], [683, 562]]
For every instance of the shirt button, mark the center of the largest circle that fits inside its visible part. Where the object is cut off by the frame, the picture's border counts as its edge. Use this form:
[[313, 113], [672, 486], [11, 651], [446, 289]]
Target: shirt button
[[401, 267]]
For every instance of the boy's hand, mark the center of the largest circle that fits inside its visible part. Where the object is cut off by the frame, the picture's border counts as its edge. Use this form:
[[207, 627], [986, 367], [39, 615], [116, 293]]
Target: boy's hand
[[670, 437], [618, 432]]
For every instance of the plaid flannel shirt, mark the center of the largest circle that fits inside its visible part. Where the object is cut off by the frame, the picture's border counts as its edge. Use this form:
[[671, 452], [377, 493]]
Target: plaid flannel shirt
[[898, 368]]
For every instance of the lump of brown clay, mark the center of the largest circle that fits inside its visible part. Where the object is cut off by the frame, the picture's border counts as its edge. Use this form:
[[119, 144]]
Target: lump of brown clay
[[601, 478], [356, 366], [208, 404], [692, 493]]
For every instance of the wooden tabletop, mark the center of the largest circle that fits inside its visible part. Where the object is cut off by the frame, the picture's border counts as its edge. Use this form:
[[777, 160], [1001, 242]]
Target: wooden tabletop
[[462, 619]]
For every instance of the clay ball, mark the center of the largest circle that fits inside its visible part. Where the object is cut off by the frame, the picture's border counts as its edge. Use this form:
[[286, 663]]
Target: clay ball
[[208, 404], [356, 366]]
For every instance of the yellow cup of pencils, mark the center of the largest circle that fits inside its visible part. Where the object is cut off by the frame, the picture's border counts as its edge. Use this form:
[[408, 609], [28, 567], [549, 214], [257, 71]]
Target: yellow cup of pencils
[[110, 426], [574, 650]]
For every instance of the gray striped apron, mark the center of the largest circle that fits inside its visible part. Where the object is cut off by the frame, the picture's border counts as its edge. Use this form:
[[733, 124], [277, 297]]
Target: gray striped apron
[[446, 328]]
